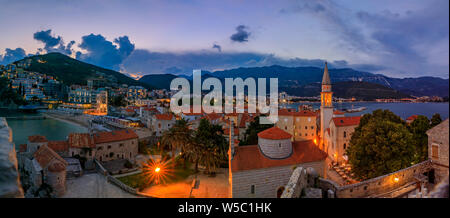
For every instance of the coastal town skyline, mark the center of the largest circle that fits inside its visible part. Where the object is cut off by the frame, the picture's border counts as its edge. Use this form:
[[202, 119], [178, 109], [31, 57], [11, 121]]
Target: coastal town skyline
[[257, 101], [345, 34]]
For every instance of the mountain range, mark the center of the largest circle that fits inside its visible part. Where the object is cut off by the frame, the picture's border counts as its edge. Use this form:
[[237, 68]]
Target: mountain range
[[305, 81], [300, 81]]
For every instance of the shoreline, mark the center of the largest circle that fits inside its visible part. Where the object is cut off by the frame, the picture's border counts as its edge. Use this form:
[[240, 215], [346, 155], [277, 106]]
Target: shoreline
[[61, 118]]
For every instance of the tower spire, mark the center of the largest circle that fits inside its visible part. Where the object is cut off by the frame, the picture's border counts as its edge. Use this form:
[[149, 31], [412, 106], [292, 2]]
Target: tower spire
[[326, 76]]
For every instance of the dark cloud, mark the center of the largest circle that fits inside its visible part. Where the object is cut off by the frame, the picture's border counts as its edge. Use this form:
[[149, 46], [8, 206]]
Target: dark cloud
[[104, 53], [53, 43], [12, 55], [218, 47], [241, 35], [413, 42]]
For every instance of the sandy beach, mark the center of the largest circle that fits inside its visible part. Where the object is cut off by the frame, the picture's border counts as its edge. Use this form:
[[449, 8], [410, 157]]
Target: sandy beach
[[79, 120]]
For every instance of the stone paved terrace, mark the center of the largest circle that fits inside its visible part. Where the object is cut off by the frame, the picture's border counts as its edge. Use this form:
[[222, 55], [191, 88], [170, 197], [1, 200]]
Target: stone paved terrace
[[93, 186], [210, 187]]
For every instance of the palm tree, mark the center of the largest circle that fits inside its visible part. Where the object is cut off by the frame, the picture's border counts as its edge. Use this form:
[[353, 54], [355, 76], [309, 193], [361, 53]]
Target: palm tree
[[211, 145], [177, 137]]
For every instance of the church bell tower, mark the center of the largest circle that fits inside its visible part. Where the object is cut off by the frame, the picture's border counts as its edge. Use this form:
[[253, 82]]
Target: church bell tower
[[326, 107]]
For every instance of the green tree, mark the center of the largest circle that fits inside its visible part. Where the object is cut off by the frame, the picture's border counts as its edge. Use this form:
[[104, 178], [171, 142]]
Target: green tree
[[381, 144], [177, 137], [212, 146], [435, 119], [419, 128], [251, 134]]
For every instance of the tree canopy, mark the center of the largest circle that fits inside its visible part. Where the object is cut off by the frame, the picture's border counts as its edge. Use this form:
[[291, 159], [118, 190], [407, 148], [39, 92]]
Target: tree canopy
[[381, 144], [251, 134]]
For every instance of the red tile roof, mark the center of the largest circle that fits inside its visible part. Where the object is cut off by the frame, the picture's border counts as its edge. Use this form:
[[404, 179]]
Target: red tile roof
[[249, 157], [338, 112], [292, 112], [305, 113], [113, 136], [412, 118], [37, 138], [58, 146], [164, 116], [346, 121], [274, 133], [212, 116], [45, 155], [81, 140]]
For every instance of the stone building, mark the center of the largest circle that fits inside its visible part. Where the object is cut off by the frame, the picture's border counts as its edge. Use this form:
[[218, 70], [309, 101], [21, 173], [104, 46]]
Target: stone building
[[121, 144], [40, 167], [264, 169], [162, 122], [338, 135], [302, 124], [82, 145], [438, 150]]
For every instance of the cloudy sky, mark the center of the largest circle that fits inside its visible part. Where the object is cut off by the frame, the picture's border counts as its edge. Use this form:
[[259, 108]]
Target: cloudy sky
[[396, 38]]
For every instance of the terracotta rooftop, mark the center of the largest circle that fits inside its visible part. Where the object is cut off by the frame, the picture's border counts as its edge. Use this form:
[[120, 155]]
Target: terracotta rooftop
[[338, 112], [412, 118], [249, 157], [81, 140], [274, 133], [37, 138], [118, 135], [346, 121], [45, 155], [292, 112], [212, 116], [164, 116], [58, 146]]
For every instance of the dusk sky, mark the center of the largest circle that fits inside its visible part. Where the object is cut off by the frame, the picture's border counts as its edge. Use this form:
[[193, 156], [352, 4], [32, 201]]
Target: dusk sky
[[395, 38]]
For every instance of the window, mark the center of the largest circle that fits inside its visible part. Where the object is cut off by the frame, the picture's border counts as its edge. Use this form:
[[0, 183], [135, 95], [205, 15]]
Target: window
[[109, 146], [285, 127], [312, 127], [306, 134], [345, 134], [345, 146], [99, 148], [279, 145], [306, 127], [435, 151], [121, 145], [252, 189]]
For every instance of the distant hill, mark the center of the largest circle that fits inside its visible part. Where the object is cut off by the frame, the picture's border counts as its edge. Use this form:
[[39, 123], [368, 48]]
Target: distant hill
[[159, 81], [297, 77], [72, 71], [349, 89], [343, 89]]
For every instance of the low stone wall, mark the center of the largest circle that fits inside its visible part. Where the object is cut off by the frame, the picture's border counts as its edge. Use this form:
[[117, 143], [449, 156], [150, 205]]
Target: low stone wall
[[370, 188], [121, 185], [296, 184], [10, 186], [383, 184]]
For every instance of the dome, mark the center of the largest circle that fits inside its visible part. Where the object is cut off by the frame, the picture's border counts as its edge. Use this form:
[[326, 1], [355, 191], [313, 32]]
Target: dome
[[275, 143], [56, 167]]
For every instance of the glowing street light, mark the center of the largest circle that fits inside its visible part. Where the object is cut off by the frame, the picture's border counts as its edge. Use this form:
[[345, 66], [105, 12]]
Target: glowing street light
[[396, 179], [157, 169]]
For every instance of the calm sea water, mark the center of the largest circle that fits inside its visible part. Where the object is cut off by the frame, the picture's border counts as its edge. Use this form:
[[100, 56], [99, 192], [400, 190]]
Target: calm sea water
[[404, 110], [51, 128]]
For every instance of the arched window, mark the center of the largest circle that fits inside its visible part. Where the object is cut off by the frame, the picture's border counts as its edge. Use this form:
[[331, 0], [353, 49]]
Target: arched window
[[345, 134], [345, 146]]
